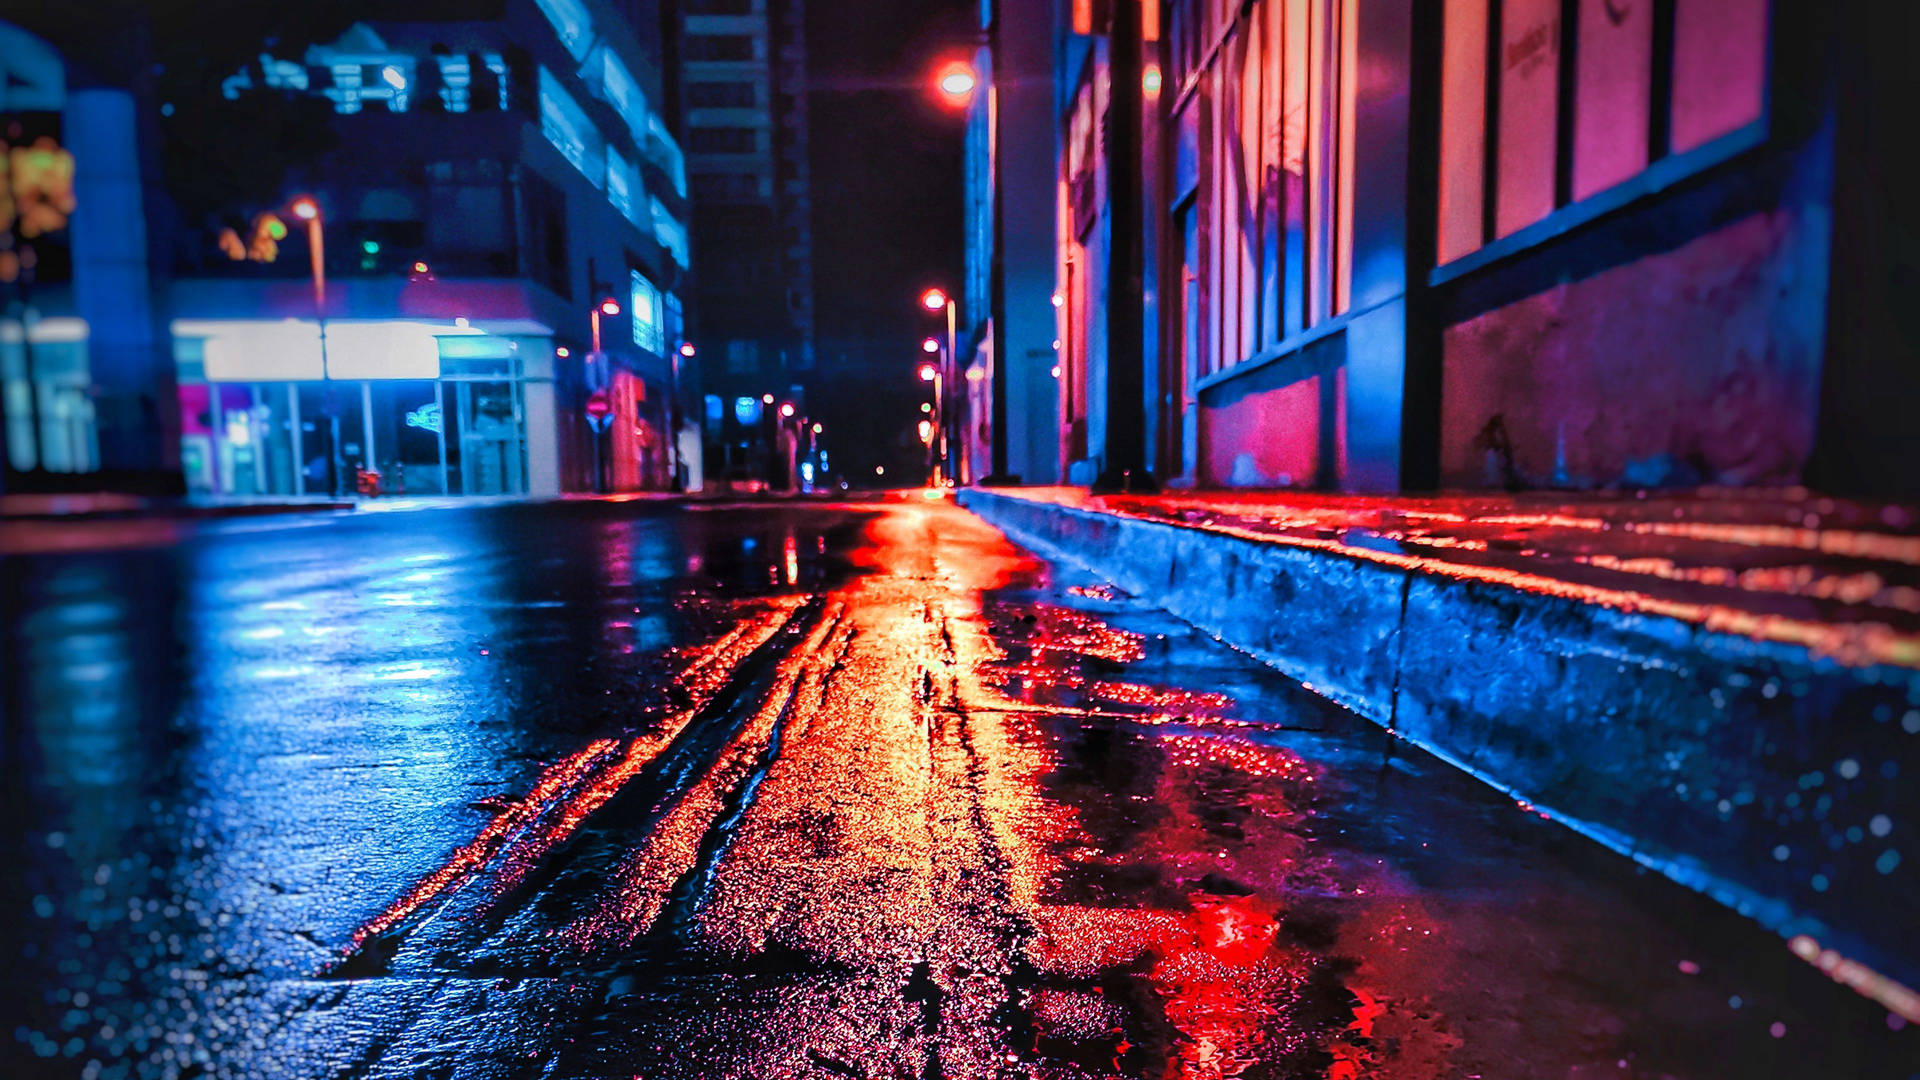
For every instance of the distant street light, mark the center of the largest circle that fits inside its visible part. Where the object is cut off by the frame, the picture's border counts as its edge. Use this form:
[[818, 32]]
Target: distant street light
[[928, 373], [786, 408], [936, 300], [686, 349], [931, 345], [766, 399]]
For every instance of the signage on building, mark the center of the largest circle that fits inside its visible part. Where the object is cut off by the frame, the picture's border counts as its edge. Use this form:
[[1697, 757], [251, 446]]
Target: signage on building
[[426, 418], [599, 410]]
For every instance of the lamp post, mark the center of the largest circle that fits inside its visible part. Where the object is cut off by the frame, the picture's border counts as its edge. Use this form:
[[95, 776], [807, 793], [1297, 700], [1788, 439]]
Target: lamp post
[[306, 208], [935, 435], [958, 83], [597, 378], [935, 300], [686, 351]]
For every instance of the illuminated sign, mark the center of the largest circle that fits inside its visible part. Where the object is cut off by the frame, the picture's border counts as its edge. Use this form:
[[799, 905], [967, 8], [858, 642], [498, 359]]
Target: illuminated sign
[[426, 418], [289, 350]]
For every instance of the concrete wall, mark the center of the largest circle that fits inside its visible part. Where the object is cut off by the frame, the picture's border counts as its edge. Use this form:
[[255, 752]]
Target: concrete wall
[[1695, 365]]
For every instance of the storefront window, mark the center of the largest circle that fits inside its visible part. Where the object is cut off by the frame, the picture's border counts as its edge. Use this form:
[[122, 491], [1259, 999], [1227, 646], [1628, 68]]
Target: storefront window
[[1613, 98], [1529, 112], [1719, 68]]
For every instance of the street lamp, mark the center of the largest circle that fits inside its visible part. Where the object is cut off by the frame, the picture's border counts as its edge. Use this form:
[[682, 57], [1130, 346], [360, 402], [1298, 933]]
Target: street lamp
[[306, 208], [608, 307], [956, 81], [597, 377], [936, 299], [931, 345]]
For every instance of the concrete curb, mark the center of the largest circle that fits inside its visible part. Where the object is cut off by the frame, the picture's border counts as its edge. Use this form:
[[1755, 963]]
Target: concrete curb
[[1781, 784]]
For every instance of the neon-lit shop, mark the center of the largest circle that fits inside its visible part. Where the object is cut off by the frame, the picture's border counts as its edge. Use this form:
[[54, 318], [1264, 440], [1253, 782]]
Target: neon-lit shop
[[391, 407]]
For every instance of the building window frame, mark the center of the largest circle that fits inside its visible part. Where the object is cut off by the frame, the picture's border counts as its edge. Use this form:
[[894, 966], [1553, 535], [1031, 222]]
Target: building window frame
[[1666, 166]]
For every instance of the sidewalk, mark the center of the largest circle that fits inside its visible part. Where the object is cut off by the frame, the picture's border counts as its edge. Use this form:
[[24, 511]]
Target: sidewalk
[[1840, 578], [1725, 687]]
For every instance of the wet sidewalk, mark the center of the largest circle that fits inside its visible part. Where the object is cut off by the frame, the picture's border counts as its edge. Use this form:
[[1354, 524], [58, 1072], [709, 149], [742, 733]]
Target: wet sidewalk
[[1724, 688], [1840, 578]]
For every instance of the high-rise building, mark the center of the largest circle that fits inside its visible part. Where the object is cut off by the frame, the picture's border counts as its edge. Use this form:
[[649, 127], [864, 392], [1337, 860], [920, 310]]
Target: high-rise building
[[744, 71]]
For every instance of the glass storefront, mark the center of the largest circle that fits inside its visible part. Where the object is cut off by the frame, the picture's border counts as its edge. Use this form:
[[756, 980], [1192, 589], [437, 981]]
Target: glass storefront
[[44, 381], [451, 419]]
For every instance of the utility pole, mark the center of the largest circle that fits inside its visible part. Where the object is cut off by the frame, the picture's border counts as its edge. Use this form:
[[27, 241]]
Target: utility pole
[[1124, 464]]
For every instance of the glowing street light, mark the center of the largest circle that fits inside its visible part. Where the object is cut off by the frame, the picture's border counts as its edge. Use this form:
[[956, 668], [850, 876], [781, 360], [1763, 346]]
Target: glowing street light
[[786, 408], [927, 372], [686, 349], [931, 345], [937, 300], [956, 83], [608, 307], [766, 399]]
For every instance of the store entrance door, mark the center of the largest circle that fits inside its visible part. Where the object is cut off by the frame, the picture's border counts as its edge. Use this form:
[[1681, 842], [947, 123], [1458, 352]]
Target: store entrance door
[[492, 449]]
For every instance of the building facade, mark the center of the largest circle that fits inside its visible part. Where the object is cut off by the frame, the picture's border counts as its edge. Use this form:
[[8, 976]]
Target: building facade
[[1012, 135], [1502, 244], [84, 367], [745, 102], [494, 181]]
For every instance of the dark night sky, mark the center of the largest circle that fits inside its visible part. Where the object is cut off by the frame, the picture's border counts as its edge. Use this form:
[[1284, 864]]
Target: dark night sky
[[886, 169], [887, 218]]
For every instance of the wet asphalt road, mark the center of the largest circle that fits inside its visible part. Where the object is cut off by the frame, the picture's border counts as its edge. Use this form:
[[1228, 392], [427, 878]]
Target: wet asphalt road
[[797, 791]]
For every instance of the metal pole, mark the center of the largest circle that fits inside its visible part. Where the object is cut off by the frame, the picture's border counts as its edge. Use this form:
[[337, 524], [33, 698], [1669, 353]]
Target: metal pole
[[1124, 465], [366, 426], [440, 434], [952, 381], [296, 429]]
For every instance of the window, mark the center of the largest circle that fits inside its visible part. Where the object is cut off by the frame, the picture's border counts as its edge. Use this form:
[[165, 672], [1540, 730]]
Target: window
[[1613, 94], [725, 140], [720, 47], [546, 233], [649, 323], [1521, 137], [726, 187], [623, 181], [570, 131], [1269, 115], [721, 95], [671, 233], [571, 22], [1719, 68]]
